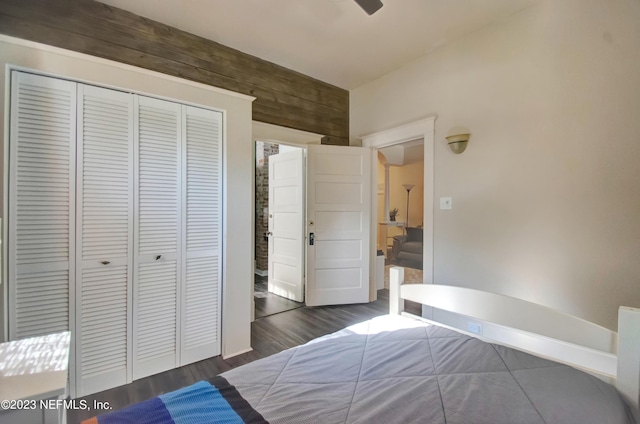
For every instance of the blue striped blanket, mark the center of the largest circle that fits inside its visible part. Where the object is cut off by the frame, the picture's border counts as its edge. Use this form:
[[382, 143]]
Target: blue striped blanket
[[213, 401]]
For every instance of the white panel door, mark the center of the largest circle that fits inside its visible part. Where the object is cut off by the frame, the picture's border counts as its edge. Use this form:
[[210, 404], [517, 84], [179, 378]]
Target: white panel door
[[286, 225], [157, 241], [338, 222], [202, 235], [41, 204], [104, 239]]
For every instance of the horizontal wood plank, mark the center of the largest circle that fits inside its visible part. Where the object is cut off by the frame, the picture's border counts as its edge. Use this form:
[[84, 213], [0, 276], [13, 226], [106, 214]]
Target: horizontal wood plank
[[283, 97]]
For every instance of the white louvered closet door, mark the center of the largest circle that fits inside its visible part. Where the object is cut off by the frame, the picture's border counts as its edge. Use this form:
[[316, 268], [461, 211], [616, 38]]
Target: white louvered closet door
[[41, 204], [158, 242], [104, 239], [202, 235]]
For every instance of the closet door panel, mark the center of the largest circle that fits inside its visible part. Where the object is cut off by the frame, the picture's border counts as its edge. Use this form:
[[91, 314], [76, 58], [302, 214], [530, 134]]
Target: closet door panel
[[202, 188], [41, 204], [104, 238], [158, 242]]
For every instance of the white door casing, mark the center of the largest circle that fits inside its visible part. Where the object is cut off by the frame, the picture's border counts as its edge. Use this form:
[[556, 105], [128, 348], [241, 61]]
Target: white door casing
[[338, 219], [421, 129], [286, 225]]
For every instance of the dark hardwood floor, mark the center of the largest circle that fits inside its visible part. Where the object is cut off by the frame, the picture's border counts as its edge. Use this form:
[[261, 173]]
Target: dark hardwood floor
[[268, 303], [269, 335]]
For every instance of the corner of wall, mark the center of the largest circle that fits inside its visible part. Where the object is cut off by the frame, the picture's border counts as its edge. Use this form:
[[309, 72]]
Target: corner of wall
[[354, 141]]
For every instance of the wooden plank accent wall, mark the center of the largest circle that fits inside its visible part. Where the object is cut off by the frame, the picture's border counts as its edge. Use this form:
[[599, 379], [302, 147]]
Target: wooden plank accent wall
[[283, 97]]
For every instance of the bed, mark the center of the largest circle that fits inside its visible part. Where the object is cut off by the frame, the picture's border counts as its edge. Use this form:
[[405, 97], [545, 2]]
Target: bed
[[402, 369]]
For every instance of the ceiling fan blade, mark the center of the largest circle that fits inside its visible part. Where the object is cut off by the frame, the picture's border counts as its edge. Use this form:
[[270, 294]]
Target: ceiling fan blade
[[369, 6]]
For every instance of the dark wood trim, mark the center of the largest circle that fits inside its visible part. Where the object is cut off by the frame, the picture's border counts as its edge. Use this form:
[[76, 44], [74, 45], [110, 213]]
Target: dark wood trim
[[334, 141], [283, 97]]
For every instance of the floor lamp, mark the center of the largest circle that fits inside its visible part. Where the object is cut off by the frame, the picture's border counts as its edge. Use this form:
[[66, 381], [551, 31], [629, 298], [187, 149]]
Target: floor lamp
[[408, 187]]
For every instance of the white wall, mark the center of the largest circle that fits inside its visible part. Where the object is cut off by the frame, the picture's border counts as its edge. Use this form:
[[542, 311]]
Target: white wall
[[238, 155], [546, 201]]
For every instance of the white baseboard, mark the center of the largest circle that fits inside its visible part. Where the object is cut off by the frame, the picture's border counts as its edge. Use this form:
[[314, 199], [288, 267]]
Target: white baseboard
[[236, 353], [261, 273]]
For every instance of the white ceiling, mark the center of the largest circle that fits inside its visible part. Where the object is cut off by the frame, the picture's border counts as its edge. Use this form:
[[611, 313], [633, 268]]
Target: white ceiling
[[402, 154], [332, 40]]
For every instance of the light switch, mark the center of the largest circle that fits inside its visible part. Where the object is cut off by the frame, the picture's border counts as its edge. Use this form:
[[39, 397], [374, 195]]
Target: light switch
[[445, 203]]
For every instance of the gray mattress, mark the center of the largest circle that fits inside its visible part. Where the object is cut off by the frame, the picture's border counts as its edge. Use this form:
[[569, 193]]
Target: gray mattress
[[399, 370]]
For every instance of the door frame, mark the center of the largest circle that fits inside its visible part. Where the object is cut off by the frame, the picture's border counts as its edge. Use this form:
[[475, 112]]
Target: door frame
[[425, 129], [270, 133], [256, 139]]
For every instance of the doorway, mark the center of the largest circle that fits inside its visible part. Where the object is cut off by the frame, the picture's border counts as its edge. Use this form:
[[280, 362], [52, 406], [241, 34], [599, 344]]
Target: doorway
[[279, 283], [336, 231], [422, 132], [400, 217], [322, 238]]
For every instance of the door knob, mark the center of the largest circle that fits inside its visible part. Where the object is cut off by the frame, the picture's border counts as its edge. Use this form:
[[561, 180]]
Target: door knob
[[269, 233]]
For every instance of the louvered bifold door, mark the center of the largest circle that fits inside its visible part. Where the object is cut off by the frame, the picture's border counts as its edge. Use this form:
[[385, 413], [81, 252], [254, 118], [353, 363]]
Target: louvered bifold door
[[104, 238], [157, 245], [41, 204], [202, 196]]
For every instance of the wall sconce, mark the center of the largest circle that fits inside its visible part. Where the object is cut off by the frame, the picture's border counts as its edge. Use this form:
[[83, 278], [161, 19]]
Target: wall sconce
[[458, 139]]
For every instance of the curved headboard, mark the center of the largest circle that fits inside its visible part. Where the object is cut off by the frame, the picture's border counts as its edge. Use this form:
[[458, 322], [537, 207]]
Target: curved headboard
[[512, 312], [530, 326]]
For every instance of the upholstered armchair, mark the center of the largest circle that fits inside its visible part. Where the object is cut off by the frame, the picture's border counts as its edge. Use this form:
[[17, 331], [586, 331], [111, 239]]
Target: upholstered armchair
[[407, 248]]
